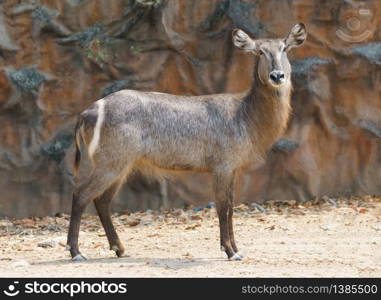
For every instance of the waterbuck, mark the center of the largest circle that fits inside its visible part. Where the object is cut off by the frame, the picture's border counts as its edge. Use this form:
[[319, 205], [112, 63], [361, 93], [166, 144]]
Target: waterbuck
[[161, 134]]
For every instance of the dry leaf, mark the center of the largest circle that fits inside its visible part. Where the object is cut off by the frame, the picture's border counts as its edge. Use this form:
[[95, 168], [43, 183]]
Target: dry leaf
[[153, 235], [97, 245], [177, 212], [241, 207], [196, 217], [133, 223], [192, 227], [354, 208]]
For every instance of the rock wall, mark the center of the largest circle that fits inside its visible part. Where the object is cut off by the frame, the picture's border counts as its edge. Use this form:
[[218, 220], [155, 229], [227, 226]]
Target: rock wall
[[57, 57]]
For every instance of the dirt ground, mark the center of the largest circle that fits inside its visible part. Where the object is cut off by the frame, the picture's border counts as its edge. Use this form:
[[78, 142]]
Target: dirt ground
[[330, 238]]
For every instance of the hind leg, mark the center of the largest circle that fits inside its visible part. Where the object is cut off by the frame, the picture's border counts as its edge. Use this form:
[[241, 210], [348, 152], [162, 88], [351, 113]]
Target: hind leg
[[75, 219], [102, 205], [95, 186]]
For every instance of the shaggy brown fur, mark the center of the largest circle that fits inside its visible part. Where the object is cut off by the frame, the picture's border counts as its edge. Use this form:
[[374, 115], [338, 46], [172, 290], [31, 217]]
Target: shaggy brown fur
[[162, 133]]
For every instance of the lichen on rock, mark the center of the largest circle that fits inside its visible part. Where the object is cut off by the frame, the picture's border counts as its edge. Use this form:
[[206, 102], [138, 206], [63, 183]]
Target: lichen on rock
[[27, 79]]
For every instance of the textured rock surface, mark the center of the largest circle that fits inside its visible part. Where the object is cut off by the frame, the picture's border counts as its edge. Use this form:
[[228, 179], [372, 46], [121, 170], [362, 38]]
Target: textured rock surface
[[57, 57]]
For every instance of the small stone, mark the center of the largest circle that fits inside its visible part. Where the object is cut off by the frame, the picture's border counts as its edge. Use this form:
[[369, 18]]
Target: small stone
[[21, 263], [258, 207], [329, 200], [241, 207], [192, 227], [53, 242], [60, 215], [198, 208], [146, 220], [47, 244], [188, 255], [377, 227], [5, 224], [177, 212], [210, 205]]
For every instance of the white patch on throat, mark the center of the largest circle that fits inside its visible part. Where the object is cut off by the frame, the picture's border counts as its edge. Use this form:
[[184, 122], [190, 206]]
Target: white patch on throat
[[97, 130]]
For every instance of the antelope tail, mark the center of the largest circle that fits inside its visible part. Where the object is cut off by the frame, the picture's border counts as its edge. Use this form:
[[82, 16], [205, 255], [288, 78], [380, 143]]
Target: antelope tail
[[78, 138]]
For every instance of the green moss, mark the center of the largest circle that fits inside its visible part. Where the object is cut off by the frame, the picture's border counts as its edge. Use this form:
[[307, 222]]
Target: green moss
[[56, 149], [371, 127], [239, 12], [371, 51], [84, 37], [304, 66], [74, 2], [42, 15], [27, 79]]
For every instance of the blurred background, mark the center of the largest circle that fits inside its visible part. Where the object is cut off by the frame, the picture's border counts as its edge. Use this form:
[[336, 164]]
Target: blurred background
[[59, 56]]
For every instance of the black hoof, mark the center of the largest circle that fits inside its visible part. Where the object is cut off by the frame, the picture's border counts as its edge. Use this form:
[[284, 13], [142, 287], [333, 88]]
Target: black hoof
[[118, 252]]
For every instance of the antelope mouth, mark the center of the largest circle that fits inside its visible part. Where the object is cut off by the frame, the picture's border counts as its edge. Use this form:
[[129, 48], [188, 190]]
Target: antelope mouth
[[276, 84]]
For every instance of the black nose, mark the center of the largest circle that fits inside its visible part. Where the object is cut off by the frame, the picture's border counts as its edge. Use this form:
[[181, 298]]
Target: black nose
[[277, 77]]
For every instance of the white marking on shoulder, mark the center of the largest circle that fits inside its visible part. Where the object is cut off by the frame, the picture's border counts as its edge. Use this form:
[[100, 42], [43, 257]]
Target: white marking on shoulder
[[97, 130]]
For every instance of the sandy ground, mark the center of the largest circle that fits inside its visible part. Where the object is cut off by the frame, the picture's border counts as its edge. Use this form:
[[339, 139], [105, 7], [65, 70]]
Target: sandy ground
[[330, 239]]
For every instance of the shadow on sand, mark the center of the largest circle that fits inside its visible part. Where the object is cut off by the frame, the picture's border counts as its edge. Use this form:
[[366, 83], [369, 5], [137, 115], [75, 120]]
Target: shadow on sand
[[166, 263]]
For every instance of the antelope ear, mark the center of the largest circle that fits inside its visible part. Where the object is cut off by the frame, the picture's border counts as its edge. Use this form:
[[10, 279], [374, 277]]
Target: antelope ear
[[296, 37], [242, 40]]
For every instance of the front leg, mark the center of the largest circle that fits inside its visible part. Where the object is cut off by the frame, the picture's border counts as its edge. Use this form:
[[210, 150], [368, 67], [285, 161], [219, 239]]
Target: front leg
[[224, 189], [231, 230]]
